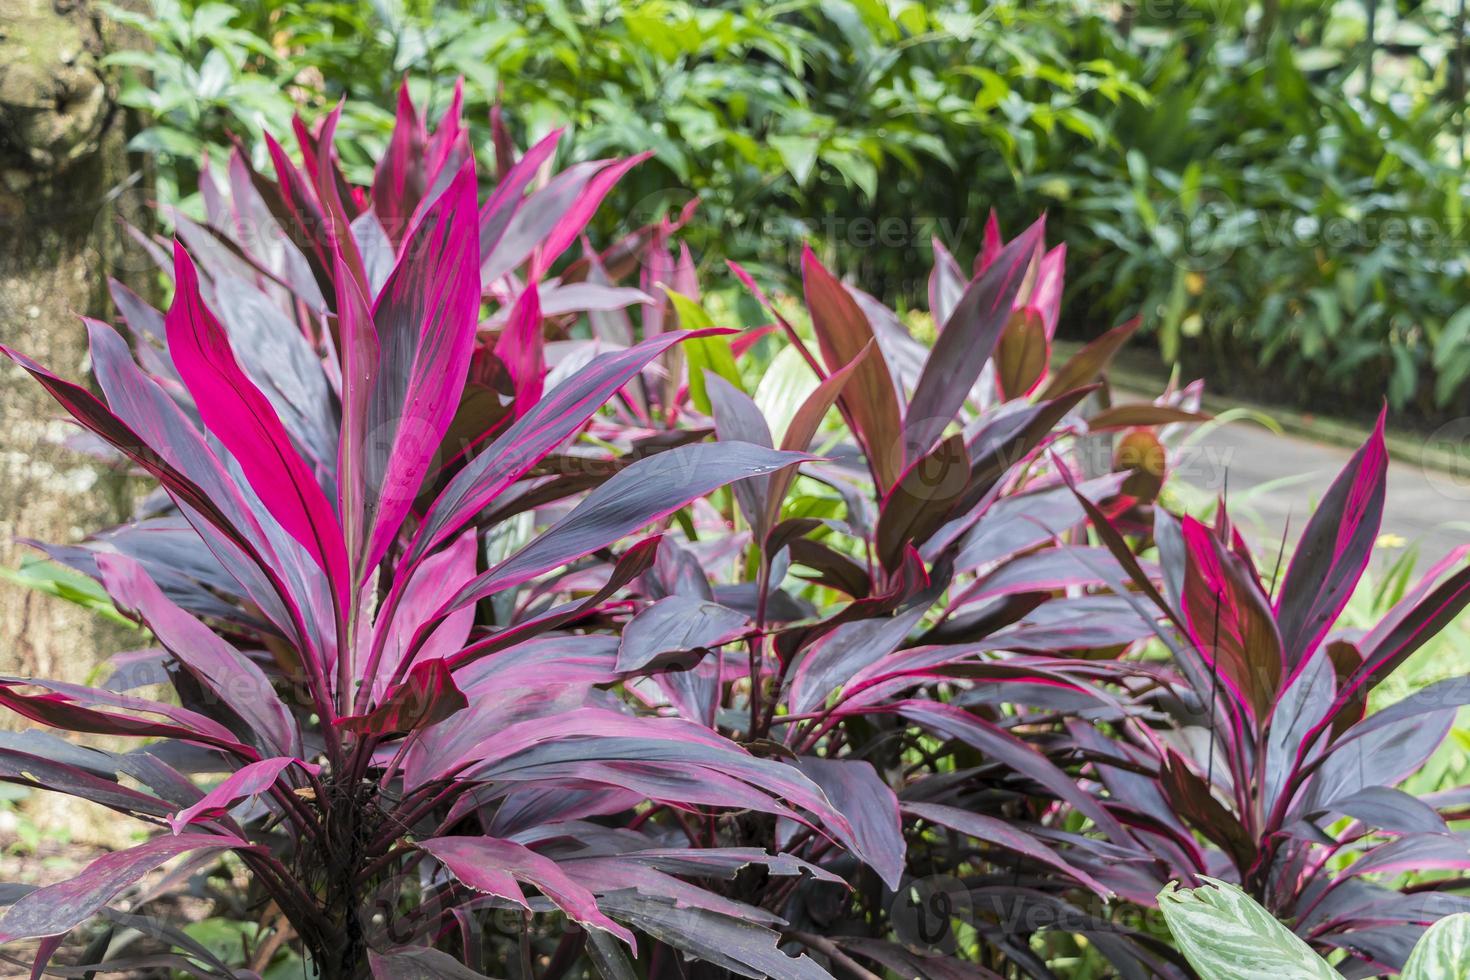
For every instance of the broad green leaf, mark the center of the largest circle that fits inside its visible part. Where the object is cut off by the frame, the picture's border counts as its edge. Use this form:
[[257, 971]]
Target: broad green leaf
[[703, 353], [62, 582], [1443, 950], [798, 154], [1226, 935]]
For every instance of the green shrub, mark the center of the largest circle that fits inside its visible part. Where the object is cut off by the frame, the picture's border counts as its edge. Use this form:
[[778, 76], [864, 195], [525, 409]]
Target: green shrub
[[1222, 167]]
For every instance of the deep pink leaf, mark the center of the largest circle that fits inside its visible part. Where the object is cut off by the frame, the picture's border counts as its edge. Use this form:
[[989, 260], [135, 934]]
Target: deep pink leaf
[[425, 319], [1230, 620], [400, 182], [509, 195], [484, 863], [245, 782], [522, 349], [553, 217], [570, 224], [432, 584], [548, 424], [243, 420]]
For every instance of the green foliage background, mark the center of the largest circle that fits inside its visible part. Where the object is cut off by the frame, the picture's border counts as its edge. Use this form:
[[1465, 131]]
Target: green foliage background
[[1243, 173]]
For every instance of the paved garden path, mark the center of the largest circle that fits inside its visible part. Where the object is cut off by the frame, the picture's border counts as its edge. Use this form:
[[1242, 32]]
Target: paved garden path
[[1273, 477]]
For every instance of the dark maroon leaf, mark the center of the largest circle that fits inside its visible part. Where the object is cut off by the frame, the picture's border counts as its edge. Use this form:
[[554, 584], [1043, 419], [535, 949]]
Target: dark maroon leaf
[[871, 402], [966, 341], [1333, 551]]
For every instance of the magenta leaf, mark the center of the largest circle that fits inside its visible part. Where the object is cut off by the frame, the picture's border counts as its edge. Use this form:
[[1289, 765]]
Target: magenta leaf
[[425, 321], [245, 782], [57, 908], [400, 181], [491, 865], [1230, 621], [549, 423], [243, 420], [507, 198], [522, 349]]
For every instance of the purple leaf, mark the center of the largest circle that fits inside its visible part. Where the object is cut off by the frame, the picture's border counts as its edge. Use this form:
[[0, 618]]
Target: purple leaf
[[251, 780], [645, 492], [492, 865], [946, 284], [833, 660], [949, 721], [860, 794], [993, 831], [433, 582], [674, 626], [54, 774], [56, 909], [738, 419], [743, 948], [920, 503], [966, 341], [418, 963], [233, 678], [426, 697], [1020, 522], [1386, 808]]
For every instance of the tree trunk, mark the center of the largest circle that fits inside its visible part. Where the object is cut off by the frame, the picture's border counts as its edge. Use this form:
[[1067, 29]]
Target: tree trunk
[[64, 179]]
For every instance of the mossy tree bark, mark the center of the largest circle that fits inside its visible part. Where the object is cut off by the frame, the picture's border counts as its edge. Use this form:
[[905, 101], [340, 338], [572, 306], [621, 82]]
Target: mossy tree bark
[[65, 178]]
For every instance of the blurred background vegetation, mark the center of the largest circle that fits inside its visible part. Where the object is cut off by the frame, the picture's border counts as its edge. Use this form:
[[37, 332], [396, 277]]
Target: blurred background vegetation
[[1280, 196]]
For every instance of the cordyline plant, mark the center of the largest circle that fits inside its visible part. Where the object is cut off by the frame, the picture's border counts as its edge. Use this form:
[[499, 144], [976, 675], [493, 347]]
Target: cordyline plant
[[346, 455], [1257, 761], [900, 652], [867, 698]]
